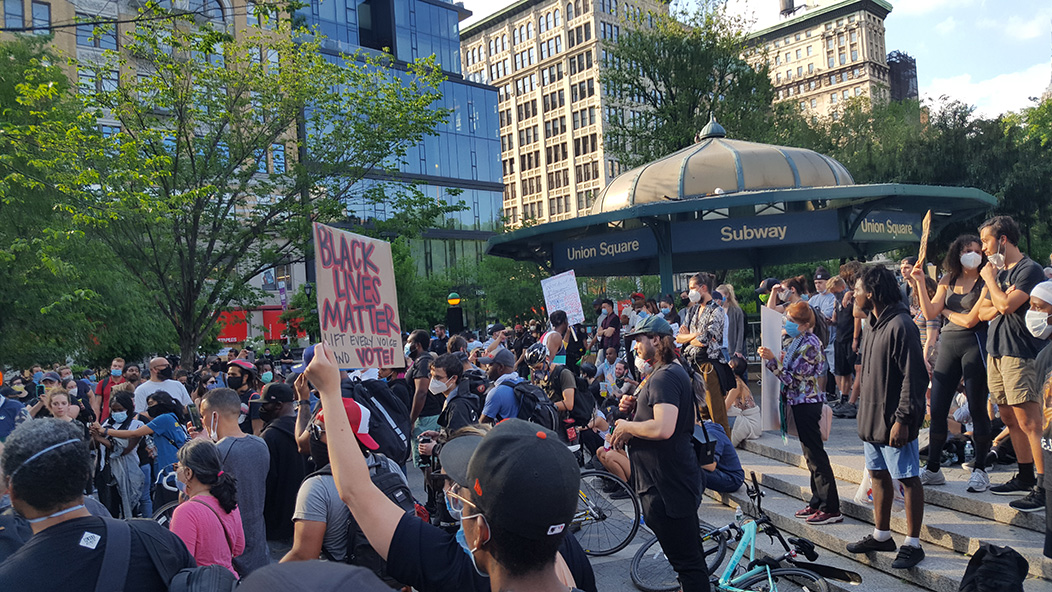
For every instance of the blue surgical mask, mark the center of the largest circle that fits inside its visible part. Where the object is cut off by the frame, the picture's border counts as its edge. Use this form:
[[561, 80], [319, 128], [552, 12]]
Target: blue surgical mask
[[119, 417], [37, 377], [806, 297], [408, 350], [462, 539], [266, 377], [792, 329], [666, 310], [643, 314], [116, 372]]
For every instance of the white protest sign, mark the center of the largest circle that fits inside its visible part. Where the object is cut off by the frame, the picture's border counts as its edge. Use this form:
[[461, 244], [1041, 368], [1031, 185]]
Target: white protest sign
[[357, 301], [771, 322], [560, 293]]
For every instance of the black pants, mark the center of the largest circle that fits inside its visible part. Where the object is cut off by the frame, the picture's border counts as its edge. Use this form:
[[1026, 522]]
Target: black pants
[[1048, 498], [680, 539], [960, 356], [824, 494]]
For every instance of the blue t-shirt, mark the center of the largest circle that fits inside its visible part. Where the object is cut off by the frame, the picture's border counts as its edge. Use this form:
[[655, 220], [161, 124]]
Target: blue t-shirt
[[169, 437], [729, 474], [501, 402]]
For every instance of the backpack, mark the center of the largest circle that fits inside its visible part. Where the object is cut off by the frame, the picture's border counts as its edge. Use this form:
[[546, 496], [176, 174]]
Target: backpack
[[535, 406], [576, 347], [583, 401], [821, 329], [993, 568], [209, 578], [478, 383], [388, 417], [392, 484]]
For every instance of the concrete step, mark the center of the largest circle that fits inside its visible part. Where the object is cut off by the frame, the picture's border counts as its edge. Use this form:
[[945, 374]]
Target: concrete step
[[949, 529], [872, 579], [848, 464]]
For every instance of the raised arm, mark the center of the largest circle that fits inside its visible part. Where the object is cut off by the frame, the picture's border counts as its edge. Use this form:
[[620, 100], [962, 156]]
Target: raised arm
[[931, 307]]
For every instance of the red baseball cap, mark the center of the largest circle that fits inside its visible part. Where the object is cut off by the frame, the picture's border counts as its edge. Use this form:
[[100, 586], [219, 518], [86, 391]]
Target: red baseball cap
[[638, 295], [359, 418]]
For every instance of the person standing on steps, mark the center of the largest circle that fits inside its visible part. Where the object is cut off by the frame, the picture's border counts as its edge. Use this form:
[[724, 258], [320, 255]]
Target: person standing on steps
[[891, 409], [802, 366], [958, 299], [1039, 322], [1011, 350]]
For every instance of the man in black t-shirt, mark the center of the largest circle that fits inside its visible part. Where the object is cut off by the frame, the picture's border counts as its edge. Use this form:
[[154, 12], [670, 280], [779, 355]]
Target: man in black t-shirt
[[426, 407], [287, 466], [50, 495], [1011, 351], [665, 469]]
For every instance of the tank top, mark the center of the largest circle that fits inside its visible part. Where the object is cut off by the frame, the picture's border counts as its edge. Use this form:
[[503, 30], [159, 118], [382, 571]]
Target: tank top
[[963, 304], [560, 356]]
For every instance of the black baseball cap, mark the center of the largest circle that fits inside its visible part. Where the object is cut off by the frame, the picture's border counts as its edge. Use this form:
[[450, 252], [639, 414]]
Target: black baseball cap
[[279, 392], [522, 477], [312, 576], [821, 274], [496, 328], [766, 285]]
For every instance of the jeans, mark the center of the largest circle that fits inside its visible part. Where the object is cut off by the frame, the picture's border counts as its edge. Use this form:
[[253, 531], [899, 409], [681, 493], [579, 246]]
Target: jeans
[[680, 540], [145, 501], [824, 494]]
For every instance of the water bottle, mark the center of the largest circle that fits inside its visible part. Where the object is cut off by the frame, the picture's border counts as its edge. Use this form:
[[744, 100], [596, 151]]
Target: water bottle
[[969, 451], [739, 515]]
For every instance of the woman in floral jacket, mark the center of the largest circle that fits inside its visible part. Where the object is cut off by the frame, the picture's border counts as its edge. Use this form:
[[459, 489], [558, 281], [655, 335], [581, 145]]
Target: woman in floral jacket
[[802, 365]]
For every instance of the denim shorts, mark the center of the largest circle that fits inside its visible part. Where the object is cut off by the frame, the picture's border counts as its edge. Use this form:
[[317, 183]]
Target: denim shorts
[[902, 463]]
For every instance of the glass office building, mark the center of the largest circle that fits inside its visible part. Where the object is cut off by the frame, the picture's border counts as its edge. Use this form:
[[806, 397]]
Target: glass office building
[[465, 154]]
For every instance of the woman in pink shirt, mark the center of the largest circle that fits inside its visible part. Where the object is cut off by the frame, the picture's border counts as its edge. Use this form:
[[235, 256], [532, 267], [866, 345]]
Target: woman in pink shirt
[[209, 522]]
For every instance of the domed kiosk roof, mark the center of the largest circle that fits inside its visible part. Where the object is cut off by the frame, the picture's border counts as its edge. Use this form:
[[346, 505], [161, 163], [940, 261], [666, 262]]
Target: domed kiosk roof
[[715, 166]]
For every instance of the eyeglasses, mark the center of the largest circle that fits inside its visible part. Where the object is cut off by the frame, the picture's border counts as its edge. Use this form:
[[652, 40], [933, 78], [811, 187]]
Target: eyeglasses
[[456, 502]]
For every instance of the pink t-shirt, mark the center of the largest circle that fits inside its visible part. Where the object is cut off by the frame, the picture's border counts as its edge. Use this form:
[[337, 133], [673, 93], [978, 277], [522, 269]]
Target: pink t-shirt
[[199, 528]]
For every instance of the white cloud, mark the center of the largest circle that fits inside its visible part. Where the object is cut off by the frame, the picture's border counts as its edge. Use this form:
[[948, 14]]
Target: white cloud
[[991, 97], [1019, 28], [947, 26], [918, 7]]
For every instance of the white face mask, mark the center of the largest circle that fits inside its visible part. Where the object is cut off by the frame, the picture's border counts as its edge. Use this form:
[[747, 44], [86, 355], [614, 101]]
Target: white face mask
[[998, 258], [694, 296], [642, 366], [971, 260], [212, 427], [437, 387], [1037, 322]]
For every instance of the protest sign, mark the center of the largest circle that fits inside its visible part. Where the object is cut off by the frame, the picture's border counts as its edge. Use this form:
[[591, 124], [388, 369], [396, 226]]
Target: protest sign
[[357, 301], [925, 235], [560, 293], [771, 322]]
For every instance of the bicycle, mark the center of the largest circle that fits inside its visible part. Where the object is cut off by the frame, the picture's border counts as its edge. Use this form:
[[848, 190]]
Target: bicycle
[[163, 515], [651, 571], [608, 513]]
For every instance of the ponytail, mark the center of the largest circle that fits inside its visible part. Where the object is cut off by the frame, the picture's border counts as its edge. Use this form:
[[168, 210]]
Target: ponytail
[[225, 491], [202, 457]]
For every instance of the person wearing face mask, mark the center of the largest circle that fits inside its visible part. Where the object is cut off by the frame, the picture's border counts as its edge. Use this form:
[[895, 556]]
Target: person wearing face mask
[[118, 479], [1039, 321], [247, 459], [1011, 349], [209, 522], [958, 300], [799, 371], [161, 373], [460, 407], [702, 338], [287, 466], [608, 332], [665, 469], [426, 407], [668, 310], [241, 378]]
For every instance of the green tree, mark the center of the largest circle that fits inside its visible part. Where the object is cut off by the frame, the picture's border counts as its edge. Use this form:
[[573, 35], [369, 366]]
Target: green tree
[[230, 147], [666, 81]]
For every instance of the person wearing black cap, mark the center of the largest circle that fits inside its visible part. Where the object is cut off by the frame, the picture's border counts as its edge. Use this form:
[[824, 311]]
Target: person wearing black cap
[[665, 469], [287, 466], [516, 495]]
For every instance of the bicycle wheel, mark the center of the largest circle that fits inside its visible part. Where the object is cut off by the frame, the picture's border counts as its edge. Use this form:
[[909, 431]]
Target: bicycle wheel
[[651, 571], [163, 515], [785, 579], [607, 514]]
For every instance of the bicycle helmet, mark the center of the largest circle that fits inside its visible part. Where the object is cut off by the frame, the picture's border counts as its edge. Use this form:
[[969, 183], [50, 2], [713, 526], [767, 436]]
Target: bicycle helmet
[[536, 354], [588, 370]]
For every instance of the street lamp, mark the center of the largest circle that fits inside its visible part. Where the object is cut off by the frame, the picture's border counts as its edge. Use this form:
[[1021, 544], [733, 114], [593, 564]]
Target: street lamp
[[453, 299], [308, 289], [454, 314]]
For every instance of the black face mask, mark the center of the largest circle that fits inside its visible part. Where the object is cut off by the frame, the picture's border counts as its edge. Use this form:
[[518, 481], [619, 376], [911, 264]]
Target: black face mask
[[165, 374], [319, 452], [684, 302], [235, 382]]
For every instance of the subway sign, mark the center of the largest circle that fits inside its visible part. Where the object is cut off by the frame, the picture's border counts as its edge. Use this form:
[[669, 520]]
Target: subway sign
[[615, 247], [755, 231], [889, 226]]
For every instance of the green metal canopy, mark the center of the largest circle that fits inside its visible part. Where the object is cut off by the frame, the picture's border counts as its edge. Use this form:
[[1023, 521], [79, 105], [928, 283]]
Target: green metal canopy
[[725, 204]]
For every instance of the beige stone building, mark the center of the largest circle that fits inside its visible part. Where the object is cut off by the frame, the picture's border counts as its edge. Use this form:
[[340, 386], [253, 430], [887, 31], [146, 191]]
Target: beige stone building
[[543, 56], [824, 56]]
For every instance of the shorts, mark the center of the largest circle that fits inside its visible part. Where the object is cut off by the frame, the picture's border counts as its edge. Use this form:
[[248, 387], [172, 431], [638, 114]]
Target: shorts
[[423, 424], [902, 463], [1012, 380], [844, 359]]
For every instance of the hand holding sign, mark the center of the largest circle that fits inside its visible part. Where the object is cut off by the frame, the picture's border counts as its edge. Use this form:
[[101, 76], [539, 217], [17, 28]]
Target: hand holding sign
[[357, 302]]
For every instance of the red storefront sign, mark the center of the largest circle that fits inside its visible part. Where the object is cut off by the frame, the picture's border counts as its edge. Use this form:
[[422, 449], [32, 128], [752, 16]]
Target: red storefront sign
[[233, 326]]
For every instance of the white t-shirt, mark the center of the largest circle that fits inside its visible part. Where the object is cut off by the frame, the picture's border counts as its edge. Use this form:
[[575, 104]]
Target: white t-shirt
[[172, 387]]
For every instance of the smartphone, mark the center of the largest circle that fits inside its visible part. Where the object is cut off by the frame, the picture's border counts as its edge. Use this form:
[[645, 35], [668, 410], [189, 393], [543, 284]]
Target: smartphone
[[195, 416], [40, 390]]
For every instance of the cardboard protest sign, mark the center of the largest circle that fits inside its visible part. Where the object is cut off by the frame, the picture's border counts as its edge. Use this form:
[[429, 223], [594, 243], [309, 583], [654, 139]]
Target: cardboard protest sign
[[925, 235], [357, 302], [560, 293]]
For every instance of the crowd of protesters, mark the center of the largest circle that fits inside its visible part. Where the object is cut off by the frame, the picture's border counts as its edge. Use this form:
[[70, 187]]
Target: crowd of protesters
[[249, 450]]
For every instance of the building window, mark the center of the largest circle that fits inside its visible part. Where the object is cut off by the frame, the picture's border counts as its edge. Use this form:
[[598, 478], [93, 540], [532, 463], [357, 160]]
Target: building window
[[810, 68], [799, 53], [854, 36], [89, 35], [14, 14], [810, 49], [41, 18], [814, 103], [854, 55], [858, 90], [843, 59], [832, 98]]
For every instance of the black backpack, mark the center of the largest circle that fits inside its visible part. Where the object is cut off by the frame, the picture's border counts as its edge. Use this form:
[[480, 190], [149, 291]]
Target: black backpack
[[576, 347], [993, 568], [478, 383], [583, 401], [388, 417], [392, 484], [535, 406]]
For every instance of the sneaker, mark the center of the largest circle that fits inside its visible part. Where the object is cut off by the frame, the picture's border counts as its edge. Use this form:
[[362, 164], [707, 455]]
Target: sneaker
[[1012, 487], [846, 411], [1033, 502], [932, 478], [979, 481], [807, 512], [871, 544], [908, 556], [620, 494], [825, 518]]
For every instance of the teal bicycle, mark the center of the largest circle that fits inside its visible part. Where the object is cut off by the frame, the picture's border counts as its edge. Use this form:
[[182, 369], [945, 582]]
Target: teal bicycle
[[651, 571]]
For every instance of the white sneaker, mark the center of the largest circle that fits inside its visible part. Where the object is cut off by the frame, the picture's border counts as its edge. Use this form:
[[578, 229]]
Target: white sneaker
[[979, 481], [936, 478]]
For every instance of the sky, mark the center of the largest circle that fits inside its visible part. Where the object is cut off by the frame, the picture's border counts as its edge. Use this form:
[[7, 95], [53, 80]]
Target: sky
[[992, 54]]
